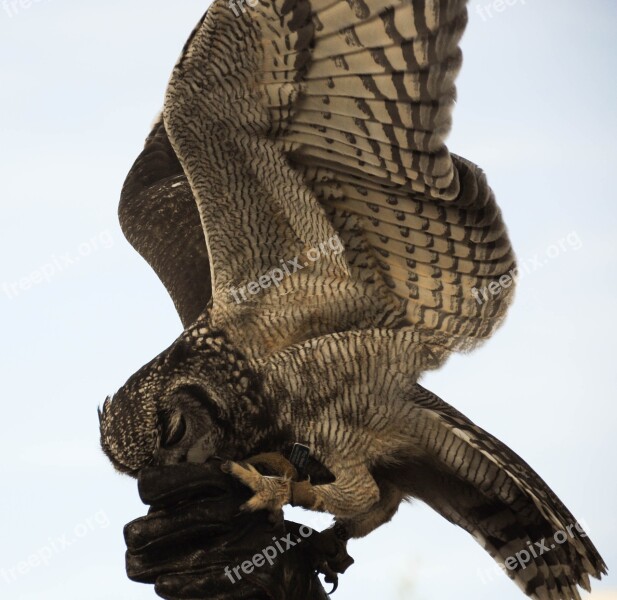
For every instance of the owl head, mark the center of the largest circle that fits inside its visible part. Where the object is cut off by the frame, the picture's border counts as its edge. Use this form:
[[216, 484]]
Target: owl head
[[178, 407]]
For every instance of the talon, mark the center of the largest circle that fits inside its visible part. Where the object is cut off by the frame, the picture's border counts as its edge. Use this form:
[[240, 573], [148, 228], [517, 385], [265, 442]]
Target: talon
[[334, 587], [329, 555], [329, 576], [269, 493]]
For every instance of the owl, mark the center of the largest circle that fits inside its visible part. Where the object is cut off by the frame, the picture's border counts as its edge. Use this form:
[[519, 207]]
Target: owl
[[324, 249]]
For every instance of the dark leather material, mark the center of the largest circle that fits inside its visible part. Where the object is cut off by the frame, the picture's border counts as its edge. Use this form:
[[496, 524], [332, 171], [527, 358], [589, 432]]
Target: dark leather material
[[194, 535]]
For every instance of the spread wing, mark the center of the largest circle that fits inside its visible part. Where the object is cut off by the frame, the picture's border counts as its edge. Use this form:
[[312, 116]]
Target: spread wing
[[475, 481], [302, 123], [159, 217]]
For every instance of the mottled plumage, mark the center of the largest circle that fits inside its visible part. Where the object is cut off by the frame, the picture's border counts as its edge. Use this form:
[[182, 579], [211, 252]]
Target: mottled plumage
[[292, 125]]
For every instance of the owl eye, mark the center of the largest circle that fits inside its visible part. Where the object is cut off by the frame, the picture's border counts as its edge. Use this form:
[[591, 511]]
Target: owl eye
[[173, 433]]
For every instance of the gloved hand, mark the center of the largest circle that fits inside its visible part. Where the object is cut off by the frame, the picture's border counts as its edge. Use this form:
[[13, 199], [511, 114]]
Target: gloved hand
[[196, 544]]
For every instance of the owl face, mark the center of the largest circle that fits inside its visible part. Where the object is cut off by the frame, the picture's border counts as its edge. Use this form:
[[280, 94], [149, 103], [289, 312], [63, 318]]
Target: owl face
[[187, 430], [175, 408]]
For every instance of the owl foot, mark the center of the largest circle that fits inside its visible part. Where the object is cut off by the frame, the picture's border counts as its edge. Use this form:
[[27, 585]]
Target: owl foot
[[271, 493], [329, 554], [273, 463]]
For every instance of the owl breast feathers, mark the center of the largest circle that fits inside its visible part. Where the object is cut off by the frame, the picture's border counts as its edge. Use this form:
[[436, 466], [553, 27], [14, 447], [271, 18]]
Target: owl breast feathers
[[323, 249]]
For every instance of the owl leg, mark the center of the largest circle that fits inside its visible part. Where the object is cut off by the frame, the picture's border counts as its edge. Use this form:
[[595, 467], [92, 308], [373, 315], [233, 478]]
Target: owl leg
[[353, 492], [390, 497], [274, 464], [330, 546], [271, 493]]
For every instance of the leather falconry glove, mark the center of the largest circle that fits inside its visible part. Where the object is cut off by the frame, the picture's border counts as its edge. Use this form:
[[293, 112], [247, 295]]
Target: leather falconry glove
[[195, 541]]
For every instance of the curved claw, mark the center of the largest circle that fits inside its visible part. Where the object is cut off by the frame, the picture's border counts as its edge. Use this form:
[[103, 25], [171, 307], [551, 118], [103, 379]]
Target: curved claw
[[329, 555], [329, 575], [270, 493]]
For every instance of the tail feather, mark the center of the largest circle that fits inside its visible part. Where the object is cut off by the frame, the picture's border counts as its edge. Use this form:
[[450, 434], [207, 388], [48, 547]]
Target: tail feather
[[478, 483]]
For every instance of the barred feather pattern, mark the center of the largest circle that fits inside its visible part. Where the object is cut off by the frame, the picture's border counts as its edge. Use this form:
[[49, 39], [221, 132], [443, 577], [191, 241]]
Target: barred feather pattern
[[368, 131], [496, 496], [286, 125], [354, 100], [421, 447]]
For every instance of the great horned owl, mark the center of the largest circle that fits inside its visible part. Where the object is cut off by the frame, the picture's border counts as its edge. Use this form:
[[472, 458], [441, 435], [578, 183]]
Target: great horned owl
[[324, 249]]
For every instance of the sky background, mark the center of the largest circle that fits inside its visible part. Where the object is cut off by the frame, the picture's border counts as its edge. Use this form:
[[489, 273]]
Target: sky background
[[81, 82]]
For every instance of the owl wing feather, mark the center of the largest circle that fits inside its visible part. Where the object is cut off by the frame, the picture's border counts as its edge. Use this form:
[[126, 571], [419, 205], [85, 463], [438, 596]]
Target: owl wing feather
[[159, 218], [368, 131], [334, 116], [477, 482], [299, 120]]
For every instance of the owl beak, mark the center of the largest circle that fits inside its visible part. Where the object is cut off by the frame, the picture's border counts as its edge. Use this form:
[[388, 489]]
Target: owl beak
[[199, 452]]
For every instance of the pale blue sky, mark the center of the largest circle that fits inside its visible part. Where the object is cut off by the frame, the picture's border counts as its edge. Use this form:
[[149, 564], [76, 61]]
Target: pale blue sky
[[80, 86]]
